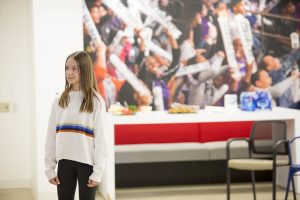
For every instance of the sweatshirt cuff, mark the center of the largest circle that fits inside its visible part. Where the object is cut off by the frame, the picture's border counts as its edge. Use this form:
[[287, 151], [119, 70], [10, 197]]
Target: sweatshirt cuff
[[95, 177], [50, 173]]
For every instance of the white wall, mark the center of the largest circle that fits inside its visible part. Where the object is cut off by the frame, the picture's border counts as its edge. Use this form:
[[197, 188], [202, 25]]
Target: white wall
[[36, 37], [15, 153], [57, 32]]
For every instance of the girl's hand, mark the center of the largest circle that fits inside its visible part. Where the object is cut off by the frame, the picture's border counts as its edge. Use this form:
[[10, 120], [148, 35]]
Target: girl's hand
[[54, 181], [92, 183]]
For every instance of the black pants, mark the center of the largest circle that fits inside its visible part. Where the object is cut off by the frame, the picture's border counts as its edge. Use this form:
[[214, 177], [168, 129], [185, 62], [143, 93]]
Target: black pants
[[68, 173]]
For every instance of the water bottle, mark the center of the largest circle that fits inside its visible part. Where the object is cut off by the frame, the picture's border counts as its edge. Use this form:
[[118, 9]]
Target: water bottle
[[247, 101], [263, 100], [294, 40], [158, 98]]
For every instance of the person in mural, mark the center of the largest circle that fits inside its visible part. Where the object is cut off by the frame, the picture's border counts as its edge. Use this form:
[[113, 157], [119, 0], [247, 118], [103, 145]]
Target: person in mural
[[88, 44], [107, 25], [279, 69], [235, 85], [204, 32], [202, 90], [108, 85], [127, 95], [172, 8], [297, 15], [178, 86], [241, 28], [239, 55], [75, 140], [262, 81], [154, 75], [284, 26]]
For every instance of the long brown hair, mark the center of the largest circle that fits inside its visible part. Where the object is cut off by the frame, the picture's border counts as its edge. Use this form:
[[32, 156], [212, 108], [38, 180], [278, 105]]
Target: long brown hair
[[87, 82]]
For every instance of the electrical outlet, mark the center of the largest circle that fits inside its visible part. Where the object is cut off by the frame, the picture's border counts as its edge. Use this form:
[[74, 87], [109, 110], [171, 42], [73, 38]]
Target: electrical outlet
[[4, 107]]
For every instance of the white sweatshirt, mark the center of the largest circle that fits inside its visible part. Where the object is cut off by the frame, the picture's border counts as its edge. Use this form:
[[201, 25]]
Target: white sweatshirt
[[77, 136]]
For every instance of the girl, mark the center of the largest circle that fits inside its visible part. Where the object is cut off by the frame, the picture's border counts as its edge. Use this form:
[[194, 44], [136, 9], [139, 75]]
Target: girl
[[75, 136]]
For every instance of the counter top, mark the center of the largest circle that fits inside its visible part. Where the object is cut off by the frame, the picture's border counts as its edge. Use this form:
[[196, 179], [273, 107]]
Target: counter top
[[216, 115]]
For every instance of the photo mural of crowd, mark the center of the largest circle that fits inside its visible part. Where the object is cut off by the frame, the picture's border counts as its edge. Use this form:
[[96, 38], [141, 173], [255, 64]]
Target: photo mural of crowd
[[160, 52]]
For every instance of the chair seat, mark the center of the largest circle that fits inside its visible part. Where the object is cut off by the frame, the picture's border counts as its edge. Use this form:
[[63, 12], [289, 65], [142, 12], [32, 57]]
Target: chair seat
[[254, 164]]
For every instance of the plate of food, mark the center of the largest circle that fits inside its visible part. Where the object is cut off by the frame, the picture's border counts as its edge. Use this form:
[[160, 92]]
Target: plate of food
[[183, 108], [118, 109]]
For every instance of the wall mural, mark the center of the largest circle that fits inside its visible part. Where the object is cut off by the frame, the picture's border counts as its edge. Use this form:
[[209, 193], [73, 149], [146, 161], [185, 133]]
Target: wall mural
[[166, 52]]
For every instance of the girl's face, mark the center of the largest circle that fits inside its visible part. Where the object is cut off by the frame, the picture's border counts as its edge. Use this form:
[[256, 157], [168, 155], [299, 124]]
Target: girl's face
[[72, 73]]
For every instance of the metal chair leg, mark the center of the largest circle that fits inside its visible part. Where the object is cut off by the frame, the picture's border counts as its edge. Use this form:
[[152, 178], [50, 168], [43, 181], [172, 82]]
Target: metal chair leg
[[253, 184], [294, 189], [288, 186], [274, 184], [228, 180]]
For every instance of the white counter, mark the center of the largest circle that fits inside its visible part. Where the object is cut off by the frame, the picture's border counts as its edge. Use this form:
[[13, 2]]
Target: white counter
[[291, 116]]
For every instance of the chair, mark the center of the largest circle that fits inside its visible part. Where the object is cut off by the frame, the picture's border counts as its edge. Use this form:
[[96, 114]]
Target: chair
[[294, 168], [267, 140]]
